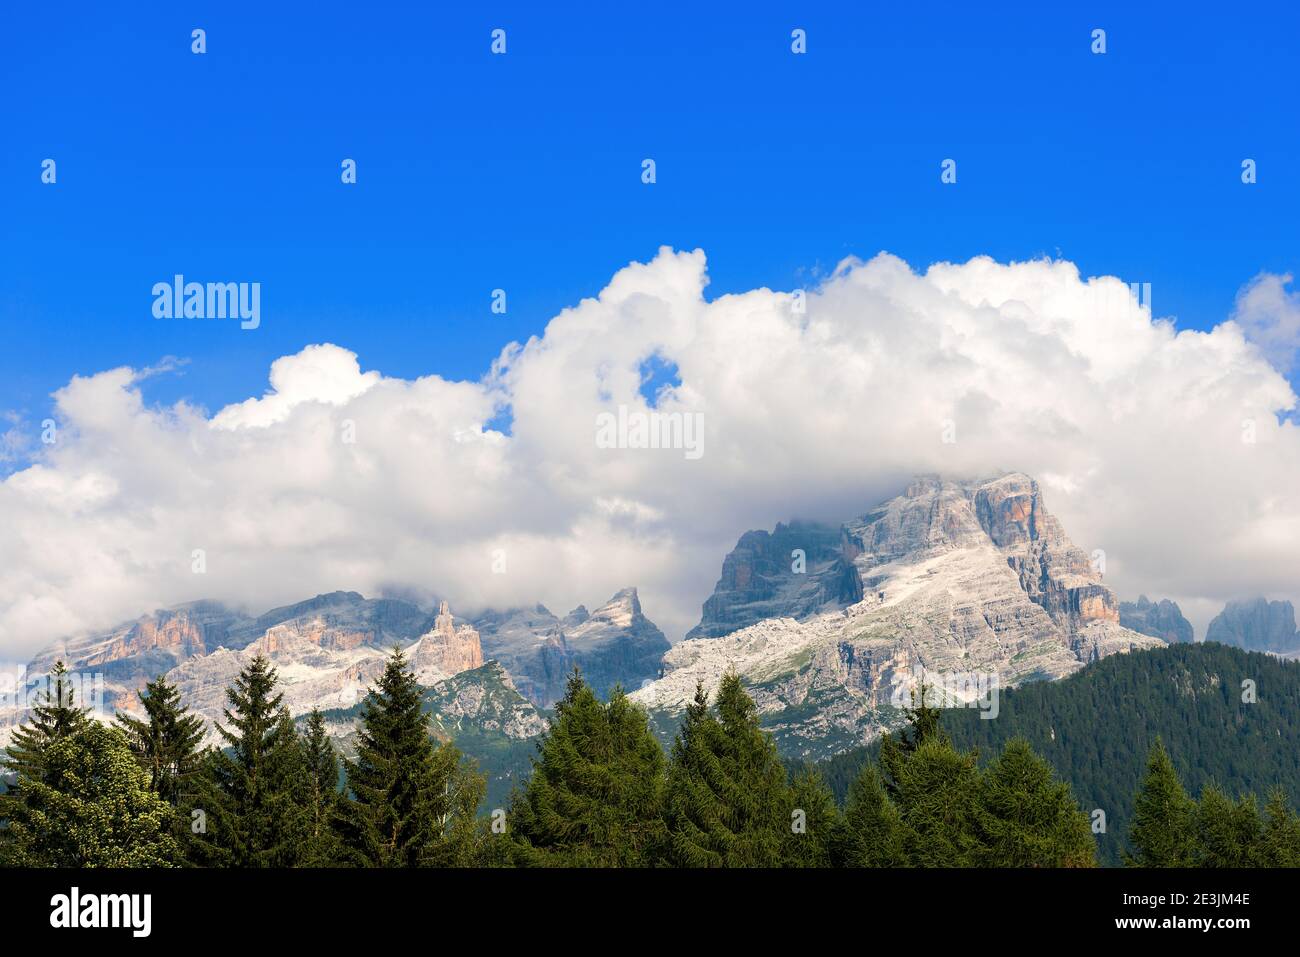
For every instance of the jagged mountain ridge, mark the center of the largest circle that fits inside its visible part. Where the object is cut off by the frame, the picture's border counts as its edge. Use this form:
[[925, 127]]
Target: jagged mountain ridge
[[328, 651], [615, 644], [949, 577], [1257, 625], [331, 633], [1161, 619], [758, 580], [955, 577]]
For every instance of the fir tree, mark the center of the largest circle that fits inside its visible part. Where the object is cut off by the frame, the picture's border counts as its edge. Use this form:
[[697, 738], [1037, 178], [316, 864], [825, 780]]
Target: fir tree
[[937, 789], [166, 741], [321, 765], [729, 803], [872, 835], [923, 723], [1162, 834], [251, 795], [409, 803], [54, 717], [595, 797], [696, 835], [815, 824], [1026, 818], [91, 807], [1227, 833], [934, 788], [1279, 839]]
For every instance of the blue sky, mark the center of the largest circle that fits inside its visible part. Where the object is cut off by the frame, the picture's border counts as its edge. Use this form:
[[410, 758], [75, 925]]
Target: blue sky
[[522, 171]]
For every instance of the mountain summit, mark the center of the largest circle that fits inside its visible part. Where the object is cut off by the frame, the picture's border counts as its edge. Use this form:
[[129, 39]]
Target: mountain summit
[[969, 578]]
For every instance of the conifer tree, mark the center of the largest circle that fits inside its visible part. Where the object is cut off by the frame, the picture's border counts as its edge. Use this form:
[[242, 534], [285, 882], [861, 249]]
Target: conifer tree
[[595, 798], [1279, 839], [729, 803], [923, 722], [694, 808], [166, 741], [1026, 818], [872, 835], [814, 829], [1227, 833], [320, 762], [1162, 832], [251, 795], [55, 716], [934, 788], [937, 789], [409, 803], [91, 807]]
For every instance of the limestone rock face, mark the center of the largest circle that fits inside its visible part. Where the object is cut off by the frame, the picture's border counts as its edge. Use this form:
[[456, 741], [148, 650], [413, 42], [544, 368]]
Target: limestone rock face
[[136, 652], [309, 676], [793, 571], [530, 644], [1257, 625], [341, 621], [446, 649], [615, 644], [959, 579], [330, 650], [327, 651], [1162, 619]]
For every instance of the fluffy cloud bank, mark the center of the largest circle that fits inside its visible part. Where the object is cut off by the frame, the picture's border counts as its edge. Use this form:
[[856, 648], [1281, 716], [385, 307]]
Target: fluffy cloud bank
[[1163, 448]]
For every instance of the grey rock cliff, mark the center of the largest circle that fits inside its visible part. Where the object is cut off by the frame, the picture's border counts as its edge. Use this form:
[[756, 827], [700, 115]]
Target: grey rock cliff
[[615, 644], [957, 578], [765, 576], [1161, 619], [1257, 625]]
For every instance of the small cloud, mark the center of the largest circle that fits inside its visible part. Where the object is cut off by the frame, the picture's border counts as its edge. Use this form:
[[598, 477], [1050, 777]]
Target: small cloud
[[1269, 316]]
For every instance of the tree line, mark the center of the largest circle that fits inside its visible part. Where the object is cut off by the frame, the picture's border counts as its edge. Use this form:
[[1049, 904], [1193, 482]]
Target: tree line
[[144, 792]]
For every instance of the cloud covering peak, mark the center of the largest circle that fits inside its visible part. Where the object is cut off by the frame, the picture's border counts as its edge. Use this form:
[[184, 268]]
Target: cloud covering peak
[[1165, 449]]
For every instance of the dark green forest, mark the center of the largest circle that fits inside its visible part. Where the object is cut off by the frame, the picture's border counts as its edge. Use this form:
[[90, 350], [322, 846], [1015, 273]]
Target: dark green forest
[[1096, 728], [944, 791]]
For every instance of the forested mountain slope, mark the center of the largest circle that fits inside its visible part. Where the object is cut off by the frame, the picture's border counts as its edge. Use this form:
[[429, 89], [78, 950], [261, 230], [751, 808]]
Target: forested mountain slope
[[1095, 727]]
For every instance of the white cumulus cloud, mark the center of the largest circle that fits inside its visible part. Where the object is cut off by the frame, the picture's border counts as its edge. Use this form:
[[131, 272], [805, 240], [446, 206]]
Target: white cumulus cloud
[[1165, 449]]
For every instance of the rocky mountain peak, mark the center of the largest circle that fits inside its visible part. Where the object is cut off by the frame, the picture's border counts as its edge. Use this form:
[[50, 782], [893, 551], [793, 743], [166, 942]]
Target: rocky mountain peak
[[803, 569], [576, 617], [1009, 510], [621, 611], [1257, 624], [1161, 619], [447, 648], [965, 577], [615, 644], [795, 570]]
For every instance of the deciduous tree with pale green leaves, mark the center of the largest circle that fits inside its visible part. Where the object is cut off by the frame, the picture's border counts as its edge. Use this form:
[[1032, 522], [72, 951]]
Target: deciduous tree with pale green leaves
[[92, 806], [321, 764]]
